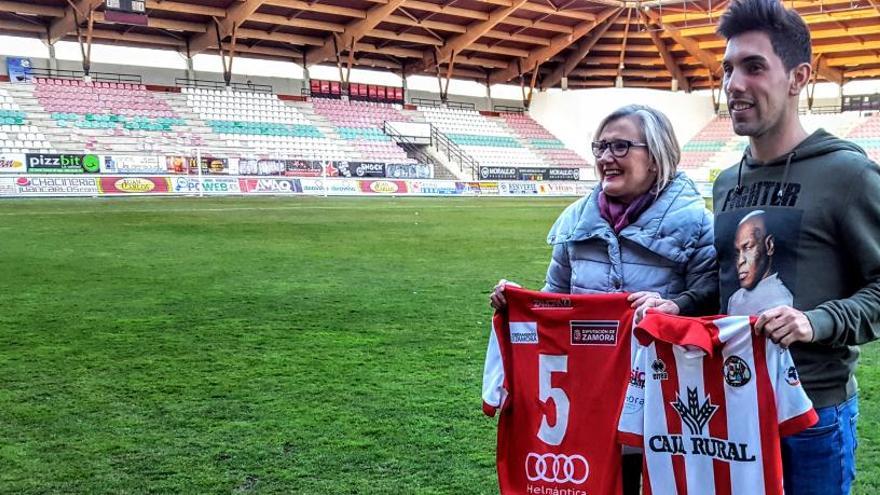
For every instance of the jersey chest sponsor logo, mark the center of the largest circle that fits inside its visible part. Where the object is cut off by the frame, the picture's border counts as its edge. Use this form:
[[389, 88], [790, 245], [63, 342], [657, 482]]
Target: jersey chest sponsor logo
[[523, 332], [557, 468], [658, 367], [695, 414], [736, 372], [637, 378], [563, 303], [594, 332]]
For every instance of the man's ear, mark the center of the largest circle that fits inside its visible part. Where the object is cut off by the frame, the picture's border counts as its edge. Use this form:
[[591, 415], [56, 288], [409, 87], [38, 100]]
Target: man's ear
[[769, 244], [800, 77]]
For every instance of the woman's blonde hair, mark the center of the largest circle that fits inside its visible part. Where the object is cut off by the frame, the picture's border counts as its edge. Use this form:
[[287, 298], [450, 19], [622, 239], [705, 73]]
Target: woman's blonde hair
[[658, 134]]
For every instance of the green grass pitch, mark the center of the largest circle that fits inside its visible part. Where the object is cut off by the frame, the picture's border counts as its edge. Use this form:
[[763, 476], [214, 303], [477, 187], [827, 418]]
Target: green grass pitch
[[265, 345]]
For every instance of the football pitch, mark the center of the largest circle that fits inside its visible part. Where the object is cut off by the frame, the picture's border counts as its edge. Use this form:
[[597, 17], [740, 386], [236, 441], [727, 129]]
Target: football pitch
[[266, 345]]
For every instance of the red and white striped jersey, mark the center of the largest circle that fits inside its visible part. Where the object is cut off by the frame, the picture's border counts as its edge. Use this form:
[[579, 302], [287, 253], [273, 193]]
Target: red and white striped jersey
[[715, 402], [557, 368]]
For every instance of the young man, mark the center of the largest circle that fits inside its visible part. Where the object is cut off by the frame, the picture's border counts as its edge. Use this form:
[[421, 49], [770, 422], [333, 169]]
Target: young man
[[820, 193]]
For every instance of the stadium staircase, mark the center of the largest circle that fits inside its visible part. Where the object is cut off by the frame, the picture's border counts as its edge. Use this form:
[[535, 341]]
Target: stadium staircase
[[481, 139], [448, 164]]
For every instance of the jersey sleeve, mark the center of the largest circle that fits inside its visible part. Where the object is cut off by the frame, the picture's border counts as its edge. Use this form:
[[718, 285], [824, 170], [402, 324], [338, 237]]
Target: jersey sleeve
[[794, 409], [494, 391], [630, 427]]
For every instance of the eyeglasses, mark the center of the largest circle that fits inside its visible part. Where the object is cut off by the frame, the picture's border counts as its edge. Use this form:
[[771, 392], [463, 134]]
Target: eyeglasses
[[618, 147]]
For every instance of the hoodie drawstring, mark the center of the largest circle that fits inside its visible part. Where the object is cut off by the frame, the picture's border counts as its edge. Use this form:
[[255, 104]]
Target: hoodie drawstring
[[739, 173], [788, 160], [779, 194]]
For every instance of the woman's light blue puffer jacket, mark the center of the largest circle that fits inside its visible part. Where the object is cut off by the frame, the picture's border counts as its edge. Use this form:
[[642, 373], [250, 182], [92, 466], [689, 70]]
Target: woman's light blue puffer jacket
[[669, 249]]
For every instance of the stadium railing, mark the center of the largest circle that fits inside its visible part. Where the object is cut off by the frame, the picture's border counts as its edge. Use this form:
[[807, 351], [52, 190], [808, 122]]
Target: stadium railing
[[508, 109], [78, 74], [197, 83], [428, 102]]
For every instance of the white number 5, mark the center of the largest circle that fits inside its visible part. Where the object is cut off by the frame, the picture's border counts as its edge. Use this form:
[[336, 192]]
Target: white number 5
[[547, 365]]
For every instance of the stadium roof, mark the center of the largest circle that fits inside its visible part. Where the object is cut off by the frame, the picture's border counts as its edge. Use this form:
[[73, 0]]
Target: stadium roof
[[591, 42]]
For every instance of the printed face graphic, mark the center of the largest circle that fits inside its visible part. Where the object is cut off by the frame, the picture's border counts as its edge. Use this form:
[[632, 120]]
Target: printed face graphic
[[754, 252]]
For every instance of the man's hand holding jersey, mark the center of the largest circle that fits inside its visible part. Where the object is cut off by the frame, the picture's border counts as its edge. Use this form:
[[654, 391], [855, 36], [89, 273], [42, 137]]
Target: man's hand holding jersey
[[784, 325], [643, 301]]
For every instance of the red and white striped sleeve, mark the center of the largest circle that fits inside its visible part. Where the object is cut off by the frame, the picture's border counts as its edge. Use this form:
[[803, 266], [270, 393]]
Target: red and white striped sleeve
[[794, 409]]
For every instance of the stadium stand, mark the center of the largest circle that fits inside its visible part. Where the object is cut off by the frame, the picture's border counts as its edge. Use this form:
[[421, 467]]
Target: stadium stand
[[536, 137], [867, 135], [67, 115], [485, 141], [262, 123], [17, 134], [717, 147], [361, 124]]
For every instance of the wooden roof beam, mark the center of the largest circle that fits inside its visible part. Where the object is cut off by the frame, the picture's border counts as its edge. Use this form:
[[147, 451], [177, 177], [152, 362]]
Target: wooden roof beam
[[668, 59], [30, 9], [184, 8], [293, 39], [581, 51], [235, 16], [354, 31], [474, 32], [559, 43], [691, 46], [321, 8], [161, 23], [63, 25], [482, 16]]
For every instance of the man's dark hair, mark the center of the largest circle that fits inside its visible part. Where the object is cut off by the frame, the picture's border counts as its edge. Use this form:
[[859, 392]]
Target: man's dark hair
[[788, 33]]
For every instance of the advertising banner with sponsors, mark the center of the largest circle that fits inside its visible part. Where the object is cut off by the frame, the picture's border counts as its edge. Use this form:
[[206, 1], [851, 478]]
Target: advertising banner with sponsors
[[498, 173], [12, 163], [557, 188], [383, 187], [7, 186], [532, 173], [56, 186], [134, 185], [177, 164], [207, 185], [409, 171], [63, 163], [271, 185], [132, 164], [359, 169], [273, 166], [330, 186], [528, 173], [517, 188], [438, 187], [563, 174]]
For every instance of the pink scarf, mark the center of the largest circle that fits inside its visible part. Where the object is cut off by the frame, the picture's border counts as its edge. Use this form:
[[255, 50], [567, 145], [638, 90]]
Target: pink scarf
[[619, 214]]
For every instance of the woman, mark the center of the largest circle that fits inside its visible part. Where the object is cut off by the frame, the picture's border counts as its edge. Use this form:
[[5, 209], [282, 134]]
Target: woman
[[645, 230]]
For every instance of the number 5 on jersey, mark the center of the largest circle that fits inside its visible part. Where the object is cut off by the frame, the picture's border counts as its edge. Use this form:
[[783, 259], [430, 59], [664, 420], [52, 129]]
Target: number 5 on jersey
[[547, 365]]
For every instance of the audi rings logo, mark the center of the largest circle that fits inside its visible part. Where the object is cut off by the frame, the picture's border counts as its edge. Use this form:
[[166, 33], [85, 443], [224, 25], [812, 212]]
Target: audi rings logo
[[557, 468]]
